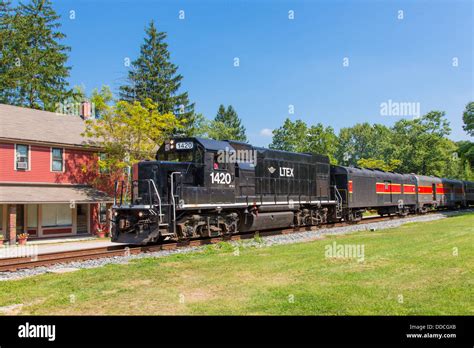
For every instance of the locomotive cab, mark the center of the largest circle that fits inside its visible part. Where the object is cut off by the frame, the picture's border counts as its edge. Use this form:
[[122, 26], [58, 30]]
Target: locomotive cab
[[209, 177], [187, 173]]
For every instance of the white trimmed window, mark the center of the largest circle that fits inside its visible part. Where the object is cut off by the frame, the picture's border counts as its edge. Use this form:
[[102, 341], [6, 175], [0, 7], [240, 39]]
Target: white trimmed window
[[22, 158], [57, 159], [32, 215], [56, 215], [102, 213]]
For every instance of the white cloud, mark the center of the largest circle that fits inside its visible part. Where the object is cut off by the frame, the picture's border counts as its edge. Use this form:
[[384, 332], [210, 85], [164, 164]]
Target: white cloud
[[266, 132]]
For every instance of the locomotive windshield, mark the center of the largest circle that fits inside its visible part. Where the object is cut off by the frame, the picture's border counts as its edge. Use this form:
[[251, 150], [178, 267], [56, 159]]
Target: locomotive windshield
[[180, 151], [174, 156]]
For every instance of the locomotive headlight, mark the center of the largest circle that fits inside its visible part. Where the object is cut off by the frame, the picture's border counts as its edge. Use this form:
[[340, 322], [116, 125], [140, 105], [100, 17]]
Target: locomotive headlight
[[115, 213], [140, 214], [171, 141]]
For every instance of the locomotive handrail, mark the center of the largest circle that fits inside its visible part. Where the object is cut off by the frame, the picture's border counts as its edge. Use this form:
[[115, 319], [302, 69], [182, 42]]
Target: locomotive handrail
[[151, 183], [118, 183], [338, 197], [159, 200], [173, 200], [115, 192], [121, 193], [126, 189], [338, 194]]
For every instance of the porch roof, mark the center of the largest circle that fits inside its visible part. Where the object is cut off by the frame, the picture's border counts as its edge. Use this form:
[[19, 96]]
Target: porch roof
[[27, 193]]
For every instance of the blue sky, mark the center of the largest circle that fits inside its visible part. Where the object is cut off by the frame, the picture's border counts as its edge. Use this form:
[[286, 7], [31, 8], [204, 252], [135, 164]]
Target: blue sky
[[286, 62]]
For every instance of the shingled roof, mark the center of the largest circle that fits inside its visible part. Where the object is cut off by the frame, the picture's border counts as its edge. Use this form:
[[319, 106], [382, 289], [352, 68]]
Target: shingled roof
[[48, 193], [18, 123]]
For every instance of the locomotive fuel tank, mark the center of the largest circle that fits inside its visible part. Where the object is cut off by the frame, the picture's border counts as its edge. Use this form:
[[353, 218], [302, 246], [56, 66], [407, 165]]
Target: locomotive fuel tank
[[266, 221]]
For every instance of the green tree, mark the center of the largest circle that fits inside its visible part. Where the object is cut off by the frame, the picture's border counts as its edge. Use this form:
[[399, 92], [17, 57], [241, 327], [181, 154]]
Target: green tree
[[468, 119], [423, 147], [322, 140], [364, 141], [218, 130], [298, 137], [372, 163], [290, 136], [199, 126], [6, 11], [229, 123], [154, 76], [129, 132], [465, 150], [7, 59], [33, 58], [100, 100]]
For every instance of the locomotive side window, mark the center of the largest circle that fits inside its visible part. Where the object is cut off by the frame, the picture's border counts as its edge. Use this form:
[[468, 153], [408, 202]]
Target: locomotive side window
[[222, 161], [216, 164], [199, 156]]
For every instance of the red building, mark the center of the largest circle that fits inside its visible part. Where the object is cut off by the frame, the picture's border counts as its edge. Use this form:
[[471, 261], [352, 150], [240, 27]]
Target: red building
[[47, 174]]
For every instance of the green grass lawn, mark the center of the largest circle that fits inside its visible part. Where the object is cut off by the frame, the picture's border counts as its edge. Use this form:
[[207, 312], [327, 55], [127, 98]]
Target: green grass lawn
[[411, 270]]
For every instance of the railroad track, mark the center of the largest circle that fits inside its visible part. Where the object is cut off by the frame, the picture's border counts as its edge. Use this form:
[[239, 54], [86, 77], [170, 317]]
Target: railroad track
[[48, 259]]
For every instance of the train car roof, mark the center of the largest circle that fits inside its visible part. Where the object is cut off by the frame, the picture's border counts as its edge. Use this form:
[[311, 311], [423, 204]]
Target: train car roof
[[451, 181], [291, 156], [427, 178], [226, 145], [370, 172]]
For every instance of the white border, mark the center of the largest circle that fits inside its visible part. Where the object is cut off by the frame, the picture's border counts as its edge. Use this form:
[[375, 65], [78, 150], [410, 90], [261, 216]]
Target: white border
[[51, 159], [14, 157]]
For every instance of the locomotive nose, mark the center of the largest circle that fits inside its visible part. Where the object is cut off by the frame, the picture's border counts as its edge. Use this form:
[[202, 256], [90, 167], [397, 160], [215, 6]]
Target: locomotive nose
[[134, 227]]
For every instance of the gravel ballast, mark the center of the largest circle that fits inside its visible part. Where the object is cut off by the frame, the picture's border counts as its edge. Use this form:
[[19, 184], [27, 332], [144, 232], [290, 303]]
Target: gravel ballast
[[264, 241]]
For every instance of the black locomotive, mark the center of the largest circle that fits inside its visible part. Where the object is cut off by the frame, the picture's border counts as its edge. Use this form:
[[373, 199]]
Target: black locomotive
[[204, 188]]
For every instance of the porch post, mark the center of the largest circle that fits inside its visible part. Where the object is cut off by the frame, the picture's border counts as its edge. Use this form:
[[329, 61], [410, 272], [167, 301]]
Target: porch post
[[12, 224]]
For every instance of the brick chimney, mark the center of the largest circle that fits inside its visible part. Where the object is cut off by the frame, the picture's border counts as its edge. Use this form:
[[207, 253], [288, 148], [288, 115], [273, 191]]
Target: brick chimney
[[86, 110]]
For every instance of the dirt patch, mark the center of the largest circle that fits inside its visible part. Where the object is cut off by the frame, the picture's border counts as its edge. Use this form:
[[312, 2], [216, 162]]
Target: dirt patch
[[13, 309], [199, 295], [133, 284], [171, 264], [138, 282]]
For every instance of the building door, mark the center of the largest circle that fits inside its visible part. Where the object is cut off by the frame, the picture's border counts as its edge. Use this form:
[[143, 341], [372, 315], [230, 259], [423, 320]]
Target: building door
[[82, 218]]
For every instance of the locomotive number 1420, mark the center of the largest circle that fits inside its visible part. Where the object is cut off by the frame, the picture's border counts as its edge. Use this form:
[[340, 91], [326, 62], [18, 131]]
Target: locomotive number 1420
[[221, 178]]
